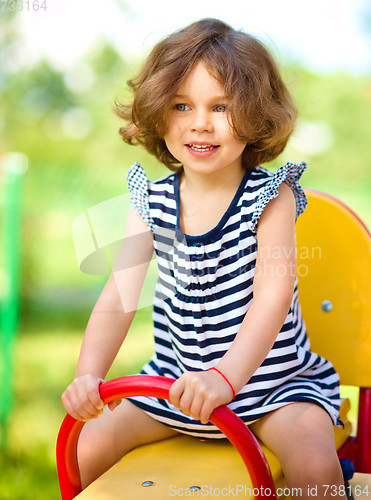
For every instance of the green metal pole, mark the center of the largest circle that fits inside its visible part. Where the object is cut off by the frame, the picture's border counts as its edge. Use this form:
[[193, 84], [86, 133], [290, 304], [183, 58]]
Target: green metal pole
[[14, 166]]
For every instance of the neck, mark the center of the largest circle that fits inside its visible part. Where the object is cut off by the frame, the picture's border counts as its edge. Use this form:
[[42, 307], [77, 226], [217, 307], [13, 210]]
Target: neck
[[200, 184]]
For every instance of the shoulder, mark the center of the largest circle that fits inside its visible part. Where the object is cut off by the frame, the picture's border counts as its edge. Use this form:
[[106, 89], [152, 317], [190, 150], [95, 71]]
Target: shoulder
[[134, 223], [279, 210], [265, 186]]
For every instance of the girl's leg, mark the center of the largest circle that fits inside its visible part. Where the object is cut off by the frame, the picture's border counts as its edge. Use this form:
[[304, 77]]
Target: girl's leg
[[104, 440], [302, 437]]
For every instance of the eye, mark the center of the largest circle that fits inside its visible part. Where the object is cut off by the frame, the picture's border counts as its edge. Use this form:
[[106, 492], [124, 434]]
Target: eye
[[181, 107], [220, 108]]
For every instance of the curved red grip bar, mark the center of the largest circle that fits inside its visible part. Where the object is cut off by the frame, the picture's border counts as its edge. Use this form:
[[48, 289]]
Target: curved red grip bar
[[144, 385]]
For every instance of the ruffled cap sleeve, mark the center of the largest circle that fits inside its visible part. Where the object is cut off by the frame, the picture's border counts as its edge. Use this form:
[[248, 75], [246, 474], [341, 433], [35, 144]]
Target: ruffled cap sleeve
[[289, 173], [138, 186]]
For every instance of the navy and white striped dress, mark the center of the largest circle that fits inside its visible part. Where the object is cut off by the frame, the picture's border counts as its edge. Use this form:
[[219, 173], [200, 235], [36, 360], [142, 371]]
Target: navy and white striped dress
[[204, 290]]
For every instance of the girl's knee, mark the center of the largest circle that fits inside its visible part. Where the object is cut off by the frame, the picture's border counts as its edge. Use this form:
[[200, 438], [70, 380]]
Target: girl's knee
[[105, 440], [87, 458], [324, 477], [317, 468], [88, 447], [324, 468], [98, 448]]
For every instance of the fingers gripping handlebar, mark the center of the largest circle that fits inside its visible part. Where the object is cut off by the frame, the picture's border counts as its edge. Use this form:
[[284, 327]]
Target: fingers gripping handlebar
[[144, 385]]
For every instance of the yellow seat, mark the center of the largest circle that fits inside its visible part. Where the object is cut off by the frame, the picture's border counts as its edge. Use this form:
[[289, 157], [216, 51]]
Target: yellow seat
[[333, 264], [176, 464]]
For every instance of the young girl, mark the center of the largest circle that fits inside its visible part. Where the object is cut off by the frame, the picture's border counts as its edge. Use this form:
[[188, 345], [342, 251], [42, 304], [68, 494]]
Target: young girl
[[210, 104]]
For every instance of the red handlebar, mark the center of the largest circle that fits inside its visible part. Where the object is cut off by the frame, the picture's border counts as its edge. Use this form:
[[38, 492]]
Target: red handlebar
[[144, 385]]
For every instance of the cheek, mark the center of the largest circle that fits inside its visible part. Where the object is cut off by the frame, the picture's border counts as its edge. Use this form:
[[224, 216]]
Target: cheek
[[173, 131], [238, 148], [229, 130], [171, 144], [235, 142]]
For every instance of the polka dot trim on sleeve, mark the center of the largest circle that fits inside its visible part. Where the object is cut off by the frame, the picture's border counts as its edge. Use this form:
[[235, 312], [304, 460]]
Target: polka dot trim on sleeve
[[289, 173], [138, 187]]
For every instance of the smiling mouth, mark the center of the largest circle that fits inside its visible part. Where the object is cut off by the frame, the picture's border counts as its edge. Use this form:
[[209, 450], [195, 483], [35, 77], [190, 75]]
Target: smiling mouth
[[203, 147]]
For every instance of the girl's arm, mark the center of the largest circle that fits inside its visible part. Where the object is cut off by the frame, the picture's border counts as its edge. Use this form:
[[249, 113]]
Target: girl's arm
[[198, 393], [110, 320]]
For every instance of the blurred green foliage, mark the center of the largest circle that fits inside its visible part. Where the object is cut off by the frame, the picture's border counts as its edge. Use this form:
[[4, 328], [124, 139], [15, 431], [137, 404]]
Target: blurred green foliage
[[45, 362], [64, 123]]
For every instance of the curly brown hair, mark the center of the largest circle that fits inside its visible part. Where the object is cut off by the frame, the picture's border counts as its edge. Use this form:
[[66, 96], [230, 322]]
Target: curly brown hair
[[261, 109]]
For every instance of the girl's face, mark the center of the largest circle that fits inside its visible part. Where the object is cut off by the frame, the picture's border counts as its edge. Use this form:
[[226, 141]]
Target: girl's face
[[199, 134]]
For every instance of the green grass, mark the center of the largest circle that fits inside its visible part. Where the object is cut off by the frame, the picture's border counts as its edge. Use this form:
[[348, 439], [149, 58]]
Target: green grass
[[45, 363]]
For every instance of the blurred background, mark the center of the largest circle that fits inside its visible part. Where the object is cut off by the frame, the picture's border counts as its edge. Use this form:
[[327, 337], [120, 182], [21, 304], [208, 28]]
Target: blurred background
[[62, 64]]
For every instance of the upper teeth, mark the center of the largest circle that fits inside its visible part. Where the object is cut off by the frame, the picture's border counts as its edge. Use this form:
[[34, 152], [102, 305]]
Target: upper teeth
[[198, 146]]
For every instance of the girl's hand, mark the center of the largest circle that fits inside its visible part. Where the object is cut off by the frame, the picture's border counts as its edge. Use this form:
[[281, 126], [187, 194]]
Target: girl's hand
[[82, 400], [199, 393]]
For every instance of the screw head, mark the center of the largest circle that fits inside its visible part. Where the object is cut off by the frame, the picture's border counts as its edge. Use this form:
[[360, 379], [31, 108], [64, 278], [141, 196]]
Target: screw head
[[326, 306], [194, 488], [147, 483]]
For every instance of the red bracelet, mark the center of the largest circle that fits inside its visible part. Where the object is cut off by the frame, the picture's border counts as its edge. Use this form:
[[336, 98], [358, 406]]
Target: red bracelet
[[225, 378]]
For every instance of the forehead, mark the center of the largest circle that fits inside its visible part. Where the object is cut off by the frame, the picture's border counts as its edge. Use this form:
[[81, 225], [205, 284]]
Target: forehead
[[199, 79]]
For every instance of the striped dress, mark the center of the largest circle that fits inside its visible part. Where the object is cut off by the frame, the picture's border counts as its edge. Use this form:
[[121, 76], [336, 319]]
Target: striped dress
[[204, 290]]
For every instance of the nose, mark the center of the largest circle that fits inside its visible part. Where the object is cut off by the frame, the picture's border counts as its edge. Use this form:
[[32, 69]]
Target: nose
[[201, 121]]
